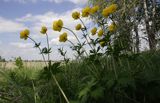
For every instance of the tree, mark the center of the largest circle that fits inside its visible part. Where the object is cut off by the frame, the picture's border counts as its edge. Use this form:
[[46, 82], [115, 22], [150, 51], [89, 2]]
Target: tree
[[2, 59], [130, 15]]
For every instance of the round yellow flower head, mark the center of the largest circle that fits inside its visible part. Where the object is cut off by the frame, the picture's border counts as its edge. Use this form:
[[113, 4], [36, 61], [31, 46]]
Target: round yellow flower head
[[100, 33], [78, 27], [94, 9], [43, 30], [57, 25], [102, 43], [94, 30], [24, 34], [86, 11], [109, 10], [112, 27], [75, 15], [63, 37]]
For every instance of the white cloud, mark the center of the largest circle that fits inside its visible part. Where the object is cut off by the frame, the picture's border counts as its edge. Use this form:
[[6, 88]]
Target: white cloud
[[21, 45], [10, 25]]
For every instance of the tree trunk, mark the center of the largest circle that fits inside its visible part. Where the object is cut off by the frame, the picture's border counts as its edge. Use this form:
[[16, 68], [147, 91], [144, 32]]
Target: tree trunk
[[137, 37], [151, 35]]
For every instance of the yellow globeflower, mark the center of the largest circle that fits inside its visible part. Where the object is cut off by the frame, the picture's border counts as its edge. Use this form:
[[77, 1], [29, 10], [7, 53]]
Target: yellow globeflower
[[78, 27], [86, 11], [24, 34], [94, 9], [43, 30], [63, 37], [102, 43], [57, 25], [112, 27], [100, 33], [109, 10], [75, 15], [94, 30]]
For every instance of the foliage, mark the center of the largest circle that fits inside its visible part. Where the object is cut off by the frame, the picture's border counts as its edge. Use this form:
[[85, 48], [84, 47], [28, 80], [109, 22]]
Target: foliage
[[19, 62], [131, 79], [2, 59]]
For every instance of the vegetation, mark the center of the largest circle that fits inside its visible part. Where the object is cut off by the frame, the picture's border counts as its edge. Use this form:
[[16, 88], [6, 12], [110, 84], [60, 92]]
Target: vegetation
[[113, 70], [133, 79]]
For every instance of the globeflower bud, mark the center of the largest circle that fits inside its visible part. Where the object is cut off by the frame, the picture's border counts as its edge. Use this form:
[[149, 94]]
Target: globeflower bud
[[43, 30], [75, 15], [78, 27]]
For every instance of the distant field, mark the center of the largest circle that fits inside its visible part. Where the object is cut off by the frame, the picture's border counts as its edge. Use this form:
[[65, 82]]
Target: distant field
[[11, 65]]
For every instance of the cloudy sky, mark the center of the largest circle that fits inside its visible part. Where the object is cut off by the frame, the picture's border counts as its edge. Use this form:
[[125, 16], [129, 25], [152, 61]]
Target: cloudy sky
[[16, 15]]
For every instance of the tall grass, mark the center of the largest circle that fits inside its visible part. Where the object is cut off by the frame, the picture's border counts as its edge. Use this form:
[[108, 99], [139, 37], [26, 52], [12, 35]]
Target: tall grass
[[128, 79]]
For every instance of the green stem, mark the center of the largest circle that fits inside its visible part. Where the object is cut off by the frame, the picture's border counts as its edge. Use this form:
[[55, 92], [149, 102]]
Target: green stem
[[87, 41], [48, 46], [59, 87], [39, 49], [71, 42], [73, 34], [35, 99], [85, 28], [93, 48]]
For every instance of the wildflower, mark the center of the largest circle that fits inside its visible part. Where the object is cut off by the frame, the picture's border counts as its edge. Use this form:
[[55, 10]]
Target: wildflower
[[78, 27], [43, 30], [24, 34], [102, 43], [76, 15], [86, 11], [63, 37], [94, 9], [57, 25], [112, 27], [109, 10], [94, 30], [100, 33]]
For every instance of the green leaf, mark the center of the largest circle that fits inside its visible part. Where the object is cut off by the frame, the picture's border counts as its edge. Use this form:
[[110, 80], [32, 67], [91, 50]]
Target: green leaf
[[84, 92], [37, 45], [97, 93]]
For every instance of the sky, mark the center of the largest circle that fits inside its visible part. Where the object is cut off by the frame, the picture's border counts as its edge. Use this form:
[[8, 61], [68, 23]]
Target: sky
[[16, 15]]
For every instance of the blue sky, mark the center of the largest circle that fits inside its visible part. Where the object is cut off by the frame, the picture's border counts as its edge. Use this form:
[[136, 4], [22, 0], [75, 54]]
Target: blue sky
[[16, 15]]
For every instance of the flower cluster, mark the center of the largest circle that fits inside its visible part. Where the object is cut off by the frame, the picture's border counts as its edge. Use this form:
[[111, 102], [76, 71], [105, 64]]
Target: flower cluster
[[102, 30]]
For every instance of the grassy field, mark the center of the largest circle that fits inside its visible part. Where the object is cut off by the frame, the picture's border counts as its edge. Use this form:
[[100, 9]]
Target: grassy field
[[132, 79], [30, 64]]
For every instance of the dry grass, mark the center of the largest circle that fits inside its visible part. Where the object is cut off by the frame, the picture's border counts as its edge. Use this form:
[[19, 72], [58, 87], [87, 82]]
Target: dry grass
[[11, 65]]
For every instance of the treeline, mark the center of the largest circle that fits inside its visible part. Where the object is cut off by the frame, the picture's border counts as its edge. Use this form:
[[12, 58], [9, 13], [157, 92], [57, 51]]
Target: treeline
[[2, 59]]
